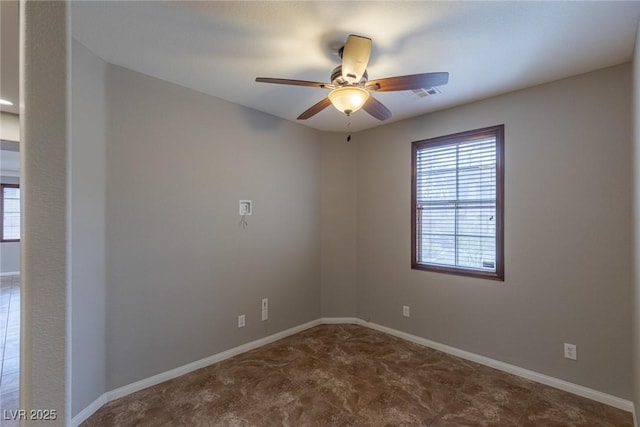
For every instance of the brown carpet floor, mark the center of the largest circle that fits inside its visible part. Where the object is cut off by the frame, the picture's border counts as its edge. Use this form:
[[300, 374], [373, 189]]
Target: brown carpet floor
[[347, 375]]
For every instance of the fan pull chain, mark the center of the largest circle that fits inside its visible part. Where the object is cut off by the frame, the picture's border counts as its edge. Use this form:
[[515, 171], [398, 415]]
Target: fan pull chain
[[349, 136]]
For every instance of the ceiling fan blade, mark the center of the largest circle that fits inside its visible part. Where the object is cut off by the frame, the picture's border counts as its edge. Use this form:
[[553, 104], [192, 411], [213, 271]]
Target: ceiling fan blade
[[410, 82], [355, 58], [315, 109], [290, 82], [376, 109]]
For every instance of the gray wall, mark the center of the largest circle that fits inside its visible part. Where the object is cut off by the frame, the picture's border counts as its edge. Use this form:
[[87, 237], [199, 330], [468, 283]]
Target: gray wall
[[636, 210], [87, 227], [567, 233], [330, 230], [10, 257], [339, 227], [9, 251], [9, 126], [180, 269]]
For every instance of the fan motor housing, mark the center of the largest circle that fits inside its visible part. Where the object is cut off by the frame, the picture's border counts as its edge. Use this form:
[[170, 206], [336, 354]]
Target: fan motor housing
[[338, 80]]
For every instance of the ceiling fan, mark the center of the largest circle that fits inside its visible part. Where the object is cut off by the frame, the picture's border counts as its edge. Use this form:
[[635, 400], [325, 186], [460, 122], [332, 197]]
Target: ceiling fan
[[350, 85]]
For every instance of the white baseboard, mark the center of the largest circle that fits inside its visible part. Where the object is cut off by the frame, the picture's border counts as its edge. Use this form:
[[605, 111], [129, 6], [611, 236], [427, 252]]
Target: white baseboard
[[340, 321], [589, 393], [579, 390], [10, 273], [185, 369], [89, 410], [173, 373]]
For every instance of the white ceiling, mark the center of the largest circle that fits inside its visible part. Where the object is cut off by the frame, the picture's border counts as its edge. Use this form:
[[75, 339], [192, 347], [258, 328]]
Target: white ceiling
[[487, 47]]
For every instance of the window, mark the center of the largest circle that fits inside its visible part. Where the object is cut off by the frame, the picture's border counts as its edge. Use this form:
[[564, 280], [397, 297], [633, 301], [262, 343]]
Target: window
[[457, 203], [10, 207]]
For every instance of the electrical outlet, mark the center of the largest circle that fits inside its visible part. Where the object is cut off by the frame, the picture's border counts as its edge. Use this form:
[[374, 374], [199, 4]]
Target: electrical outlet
[[406, 311], [241, 320], [265, 309], [570, 351]]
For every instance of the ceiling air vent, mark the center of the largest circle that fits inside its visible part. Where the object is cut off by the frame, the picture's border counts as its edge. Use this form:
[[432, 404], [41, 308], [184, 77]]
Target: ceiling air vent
[[426, 92]]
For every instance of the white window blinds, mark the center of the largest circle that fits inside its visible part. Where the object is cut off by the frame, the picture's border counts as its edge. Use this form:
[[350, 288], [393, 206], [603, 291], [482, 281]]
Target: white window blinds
[[456, 203]]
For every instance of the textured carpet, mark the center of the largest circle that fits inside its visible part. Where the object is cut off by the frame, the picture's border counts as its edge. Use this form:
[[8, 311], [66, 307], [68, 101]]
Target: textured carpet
[[347, 375]]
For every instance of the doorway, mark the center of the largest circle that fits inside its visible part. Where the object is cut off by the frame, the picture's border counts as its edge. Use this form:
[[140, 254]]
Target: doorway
[[10, 215], [9, 275]]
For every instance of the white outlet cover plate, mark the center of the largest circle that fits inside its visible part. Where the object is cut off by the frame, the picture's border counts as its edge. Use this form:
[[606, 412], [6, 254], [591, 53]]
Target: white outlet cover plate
[[246, 208], [570, 351]]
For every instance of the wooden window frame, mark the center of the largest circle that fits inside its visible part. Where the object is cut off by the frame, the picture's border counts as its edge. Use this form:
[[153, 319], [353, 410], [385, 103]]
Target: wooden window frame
[[2, 187], [498, 132]]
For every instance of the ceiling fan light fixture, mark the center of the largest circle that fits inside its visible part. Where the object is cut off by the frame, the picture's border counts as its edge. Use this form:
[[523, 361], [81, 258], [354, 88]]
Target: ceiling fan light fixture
[[348, 99], [351, 85]]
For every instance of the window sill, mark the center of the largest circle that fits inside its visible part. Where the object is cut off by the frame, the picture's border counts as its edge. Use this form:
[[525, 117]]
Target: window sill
[[499, 276]]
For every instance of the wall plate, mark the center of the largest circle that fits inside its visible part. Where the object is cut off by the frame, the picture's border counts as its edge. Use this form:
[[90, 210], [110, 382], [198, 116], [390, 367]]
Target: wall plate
[[245, 207]]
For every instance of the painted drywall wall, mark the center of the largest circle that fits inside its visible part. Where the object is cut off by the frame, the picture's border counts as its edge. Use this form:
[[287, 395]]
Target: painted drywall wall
[[44, 38], [338, 219], [9, 251], [87, 186], [567, 233], [9, 127], [180, 267], [10, 258], [635, 340]]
